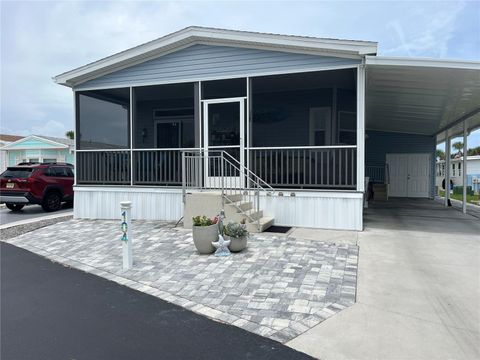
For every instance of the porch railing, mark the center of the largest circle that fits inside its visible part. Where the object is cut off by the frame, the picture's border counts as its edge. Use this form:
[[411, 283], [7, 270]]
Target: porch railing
[[103, 167], [218, 170], [314, 167], [378, 174], [158, 167], [306, 167]]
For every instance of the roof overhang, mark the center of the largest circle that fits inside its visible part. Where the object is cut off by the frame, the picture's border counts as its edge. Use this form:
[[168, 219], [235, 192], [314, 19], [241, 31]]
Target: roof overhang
[[422, 96], [50, 144], [200, 35]]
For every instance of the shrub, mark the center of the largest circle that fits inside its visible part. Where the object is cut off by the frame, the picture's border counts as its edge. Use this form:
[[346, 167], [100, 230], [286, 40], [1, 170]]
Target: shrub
[[204, 221], [236, 230]]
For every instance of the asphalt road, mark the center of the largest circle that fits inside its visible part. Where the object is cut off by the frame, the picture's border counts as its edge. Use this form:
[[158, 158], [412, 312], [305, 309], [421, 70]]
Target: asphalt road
[[28, 212], [49, 311]]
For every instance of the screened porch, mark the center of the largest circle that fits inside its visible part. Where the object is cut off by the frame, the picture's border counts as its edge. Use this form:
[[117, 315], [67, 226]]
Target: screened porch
[[295, 131]]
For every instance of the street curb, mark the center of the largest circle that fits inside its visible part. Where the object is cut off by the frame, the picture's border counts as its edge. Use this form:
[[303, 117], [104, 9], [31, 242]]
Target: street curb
[[18, 228], [36, 219]]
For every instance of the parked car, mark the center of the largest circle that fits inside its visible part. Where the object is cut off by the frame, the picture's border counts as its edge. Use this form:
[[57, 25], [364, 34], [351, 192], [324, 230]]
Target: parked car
[[46, 184]]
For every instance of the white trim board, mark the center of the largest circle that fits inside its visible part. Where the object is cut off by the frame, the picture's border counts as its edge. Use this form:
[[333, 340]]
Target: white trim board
[[194, 34]]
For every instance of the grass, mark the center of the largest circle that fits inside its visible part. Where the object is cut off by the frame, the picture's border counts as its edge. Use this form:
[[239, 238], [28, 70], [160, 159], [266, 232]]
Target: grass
[[470, 198]]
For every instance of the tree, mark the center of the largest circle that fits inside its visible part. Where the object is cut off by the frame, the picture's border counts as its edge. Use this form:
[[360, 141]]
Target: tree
[[440, 154], [70, 134], [474, 151], [459, 147]]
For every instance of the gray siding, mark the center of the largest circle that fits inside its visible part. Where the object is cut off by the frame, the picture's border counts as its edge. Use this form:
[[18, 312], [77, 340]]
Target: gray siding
[[380, 143], [209, 61]]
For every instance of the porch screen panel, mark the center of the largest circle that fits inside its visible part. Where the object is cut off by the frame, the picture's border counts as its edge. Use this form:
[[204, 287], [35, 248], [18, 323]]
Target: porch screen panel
[[303, 129], [163, 123], [103, 119]]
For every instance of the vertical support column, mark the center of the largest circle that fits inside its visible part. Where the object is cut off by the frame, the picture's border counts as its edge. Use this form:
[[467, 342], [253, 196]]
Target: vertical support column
[[127, 240], [361, 128], [76, 139], [131, 136], [464, 167], [447, 168]]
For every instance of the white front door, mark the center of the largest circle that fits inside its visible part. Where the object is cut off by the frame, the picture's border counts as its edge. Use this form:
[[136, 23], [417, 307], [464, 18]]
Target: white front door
[[223, 129], [410, 175]]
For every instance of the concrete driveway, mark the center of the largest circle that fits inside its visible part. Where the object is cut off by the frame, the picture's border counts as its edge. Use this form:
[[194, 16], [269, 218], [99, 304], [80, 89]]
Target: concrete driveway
[[418, 294]]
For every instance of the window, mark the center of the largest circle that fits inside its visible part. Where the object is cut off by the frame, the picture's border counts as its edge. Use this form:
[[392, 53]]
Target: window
[[103, 119], [459, 169], [46, 160], [219, 89], [59, 172], [319, 125], [164, 116], [453, 169]]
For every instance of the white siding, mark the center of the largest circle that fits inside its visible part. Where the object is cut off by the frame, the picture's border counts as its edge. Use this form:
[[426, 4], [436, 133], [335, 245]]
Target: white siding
[[327, 210]]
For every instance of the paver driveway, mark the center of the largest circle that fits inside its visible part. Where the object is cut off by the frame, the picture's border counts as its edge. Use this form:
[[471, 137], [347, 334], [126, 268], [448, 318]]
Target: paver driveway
[[279, 287]]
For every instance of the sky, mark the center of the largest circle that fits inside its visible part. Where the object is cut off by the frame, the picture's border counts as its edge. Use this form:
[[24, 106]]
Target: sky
[[42, 39]]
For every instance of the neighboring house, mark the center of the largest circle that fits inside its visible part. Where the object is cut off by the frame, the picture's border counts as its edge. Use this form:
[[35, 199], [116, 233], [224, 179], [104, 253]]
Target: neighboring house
[[457, 172], [35, 148], [5, 140], [294, 123]]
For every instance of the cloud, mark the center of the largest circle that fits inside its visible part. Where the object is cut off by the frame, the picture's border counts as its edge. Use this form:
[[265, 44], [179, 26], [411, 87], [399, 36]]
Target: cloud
[[43, 39]]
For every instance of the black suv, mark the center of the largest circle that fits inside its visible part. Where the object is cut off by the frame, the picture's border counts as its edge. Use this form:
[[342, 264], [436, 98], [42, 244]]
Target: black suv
[[46, 184]]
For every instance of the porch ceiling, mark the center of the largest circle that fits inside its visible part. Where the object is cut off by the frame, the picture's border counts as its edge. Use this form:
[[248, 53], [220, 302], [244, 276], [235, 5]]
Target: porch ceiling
[[422, 96]]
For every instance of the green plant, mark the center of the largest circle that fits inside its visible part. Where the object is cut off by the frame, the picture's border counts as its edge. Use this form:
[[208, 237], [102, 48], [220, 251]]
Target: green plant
[[236, 230], [204, 221]]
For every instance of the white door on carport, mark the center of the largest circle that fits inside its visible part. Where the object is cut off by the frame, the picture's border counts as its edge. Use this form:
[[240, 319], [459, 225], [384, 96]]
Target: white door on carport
[[409, 175]]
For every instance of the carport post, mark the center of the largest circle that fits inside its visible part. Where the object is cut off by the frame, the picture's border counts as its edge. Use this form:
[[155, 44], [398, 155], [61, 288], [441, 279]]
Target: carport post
[[464, 166], [447, 168]]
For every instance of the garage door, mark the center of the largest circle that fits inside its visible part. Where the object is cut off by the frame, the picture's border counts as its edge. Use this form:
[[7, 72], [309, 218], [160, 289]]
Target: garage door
[[410, 175]]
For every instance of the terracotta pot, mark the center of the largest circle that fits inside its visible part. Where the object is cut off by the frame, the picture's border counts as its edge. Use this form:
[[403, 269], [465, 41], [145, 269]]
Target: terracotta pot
[[203, 237], [237, 244]]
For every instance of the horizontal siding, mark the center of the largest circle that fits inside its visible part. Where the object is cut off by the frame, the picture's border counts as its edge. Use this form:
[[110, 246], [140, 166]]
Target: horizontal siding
[[209, 61], [327, 210], [380, 143]]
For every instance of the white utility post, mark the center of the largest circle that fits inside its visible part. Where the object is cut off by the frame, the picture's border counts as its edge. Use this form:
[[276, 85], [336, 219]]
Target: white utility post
[[447, 168], [464, 167], [126, 207]]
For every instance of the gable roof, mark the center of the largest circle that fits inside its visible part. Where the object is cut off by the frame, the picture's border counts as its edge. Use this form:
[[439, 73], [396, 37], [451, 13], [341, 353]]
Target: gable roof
[[51, 142], [10, 138], [202, 35]]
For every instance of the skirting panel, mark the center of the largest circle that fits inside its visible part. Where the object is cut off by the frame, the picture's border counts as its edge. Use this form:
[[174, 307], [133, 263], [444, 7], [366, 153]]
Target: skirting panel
[[327, 210], [147, 203]]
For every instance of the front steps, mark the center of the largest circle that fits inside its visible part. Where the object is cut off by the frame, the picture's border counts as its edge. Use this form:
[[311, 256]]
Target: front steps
[[209, 203], [237, 210]]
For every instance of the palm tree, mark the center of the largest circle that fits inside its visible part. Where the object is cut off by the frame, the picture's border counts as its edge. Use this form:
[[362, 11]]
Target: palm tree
[[440, 154], [70, 134], [459, 147]]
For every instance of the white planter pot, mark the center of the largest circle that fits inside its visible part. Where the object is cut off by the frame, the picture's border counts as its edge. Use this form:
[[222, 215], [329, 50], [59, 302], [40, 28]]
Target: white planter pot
[[203, 237], [237, 244]]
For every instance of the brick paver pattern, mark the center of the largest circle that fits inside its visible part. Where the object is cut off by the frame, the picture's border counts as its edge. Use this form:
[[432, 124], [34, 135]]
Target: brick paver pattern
[[278, 287]]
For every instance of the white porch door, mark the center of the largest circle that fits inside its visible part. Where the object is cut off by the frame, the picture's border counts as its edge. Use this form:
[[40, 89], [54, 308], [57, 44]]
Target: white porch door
[[223, 129], [409, 175]]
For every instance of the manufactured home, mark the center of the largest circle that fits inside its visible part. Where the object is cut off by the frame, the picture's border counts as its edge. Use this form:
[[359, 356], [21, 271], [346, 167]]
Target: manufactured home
[[287, 130]]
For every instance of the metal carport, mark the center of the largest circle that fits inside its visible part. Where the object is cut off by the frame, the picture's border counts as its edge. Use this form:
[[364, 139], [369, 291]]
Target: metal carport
[[431, 97]]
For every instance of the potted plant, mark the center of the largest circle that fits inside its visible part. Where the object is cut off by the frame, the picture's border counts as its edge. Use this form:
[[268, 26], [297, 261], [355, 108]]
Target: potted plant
[[205, 230], [238, 235]]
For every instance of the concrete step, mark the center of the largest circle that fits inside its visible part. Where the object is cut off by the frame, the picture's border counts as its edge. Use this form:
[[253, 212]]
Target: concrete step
[[265, 223], [234, 197], [247, 215]]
